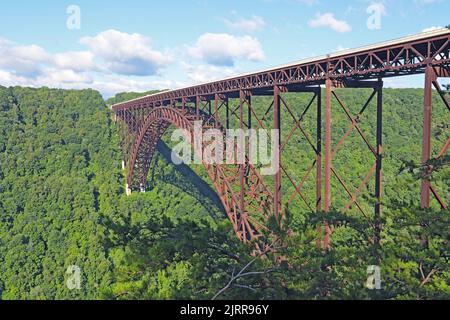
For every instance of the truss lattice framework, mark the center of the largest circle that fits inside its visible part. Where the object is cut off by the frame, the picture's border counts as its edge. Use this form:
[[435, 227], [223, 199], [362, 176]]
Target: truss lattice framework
[[240, 188], [249, 199]]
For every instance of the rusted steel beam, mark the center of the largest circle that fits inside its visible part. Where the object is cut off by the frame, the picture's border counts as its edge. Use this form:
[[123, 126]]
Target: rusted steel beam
[[430, 76], [242, 98], [328, 168], [277, 126], [249, 110], [319, 151], [227, 113], [216, 110], [183, 103], [438, 198], [378, 170], [198, 103], [328, 93]]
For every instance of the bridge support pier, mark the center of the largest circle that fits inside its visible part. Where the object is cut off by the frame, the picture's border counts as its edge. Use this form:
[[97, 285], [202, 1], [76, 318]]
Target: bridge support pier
[[327, 166], [330, 152], [431, 77], [378, 170]]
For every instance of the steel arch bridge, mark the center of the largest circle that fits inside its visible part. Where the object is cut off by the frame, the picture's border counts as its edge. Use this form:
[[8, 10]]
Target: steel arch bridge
[[250, 199]]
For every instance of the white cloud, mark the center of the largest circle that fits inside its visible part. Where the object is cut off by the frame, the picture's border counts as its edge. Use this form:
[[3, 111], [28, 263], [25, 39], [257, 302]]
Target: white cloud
[[113, 84], [32, 53], [60, 77], [115, 61], [31, 65], [23, 60], [253, 24], [10, 79], [205, 73], [431, 29], [75, 60], [49, 77], [127, 54], [4, 43], [223, 49], [328, 20], [112, 54], [33, 61], [68, 79]]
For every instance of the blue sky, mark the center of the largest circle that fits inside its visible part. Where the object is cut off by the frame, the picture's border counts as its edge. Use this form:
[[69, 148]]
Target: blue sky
[[142, 45]]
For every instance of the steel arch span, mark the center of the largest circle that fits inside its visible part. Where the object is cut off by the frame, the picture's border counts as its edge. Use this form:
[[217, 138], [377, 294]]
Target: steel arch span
[[249, 199], [247, 211]]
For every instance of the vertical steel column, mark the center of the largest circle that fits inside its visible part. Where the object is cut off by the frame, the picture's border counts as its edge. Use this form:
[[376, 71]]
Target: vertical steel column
[[249, 111], [183, 103], [241, 166], [216, 110], [227, 106], [328, 89], [430, 76], [198, 101], [378, 173], [276, 126], [248, 98], [319, 151]]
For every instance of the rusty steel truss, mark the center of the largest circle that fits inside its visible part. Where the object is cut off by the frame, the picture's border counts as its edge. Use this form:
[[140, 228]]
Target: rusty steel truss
[[250, 199]]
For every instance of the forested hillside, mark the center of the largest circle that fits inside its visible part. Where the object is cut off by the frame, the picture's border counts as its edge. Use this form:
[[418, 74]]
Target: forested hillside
[[62, 203]]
